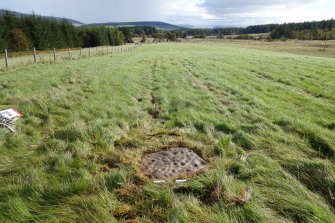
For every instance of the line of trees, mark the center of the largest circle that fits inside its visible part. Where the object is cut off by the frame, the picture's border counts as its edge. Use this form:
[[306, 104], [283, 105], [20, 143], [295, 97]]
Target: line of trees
[[135, 31], [19, 33], [148, 31], [214, 32], [138, 31], [99, 36], [26, 32], [314, 34], [305, 30]]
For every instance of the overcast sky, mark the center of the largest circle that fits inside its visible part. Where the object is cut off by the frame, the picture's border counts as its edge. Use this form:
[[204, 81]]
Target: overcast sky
[[193, 12]]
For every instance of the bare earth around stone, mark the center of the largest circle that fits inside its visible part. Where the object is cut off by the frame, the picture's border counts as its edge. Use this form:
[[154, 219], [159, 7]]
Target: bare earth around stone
[[172, 163]]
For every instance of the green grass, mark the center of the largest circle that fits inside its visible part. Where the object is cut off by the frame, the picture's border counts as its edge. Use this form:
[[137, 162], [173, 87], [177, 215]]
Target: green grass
[[264, 120]]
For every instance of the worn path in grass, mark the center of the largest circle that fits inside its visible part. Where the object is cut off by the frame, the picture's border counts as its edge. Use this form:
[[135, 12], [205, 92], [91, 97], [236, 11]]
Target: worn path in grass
[[264, 120]]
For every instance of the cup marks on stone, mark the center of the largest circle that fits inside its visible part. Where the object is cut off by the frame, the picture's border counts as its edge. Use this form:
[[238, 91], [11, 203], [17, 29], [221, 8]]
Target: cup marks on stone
[[172, 163]]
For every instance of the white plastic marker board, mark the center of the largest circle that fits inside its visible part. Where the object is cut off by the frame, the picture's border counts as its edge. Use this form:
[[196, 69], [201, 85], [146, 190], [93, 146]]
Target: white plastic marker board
[[10, 114], [8, 118]]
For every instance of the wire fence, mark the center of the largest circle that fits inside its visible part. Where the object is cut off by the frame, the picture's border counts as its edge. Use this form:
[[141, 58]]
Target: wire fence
[[12, 59]]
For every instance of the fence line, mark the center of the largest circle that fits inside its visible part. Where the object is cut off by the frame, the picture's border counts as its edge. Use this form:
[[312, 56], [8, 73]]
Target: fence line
[[56, 55]]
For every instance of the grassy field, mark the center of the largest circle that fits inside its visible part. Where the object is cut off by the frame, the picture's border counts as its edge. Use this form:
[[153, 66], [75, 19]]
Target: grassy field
[[302, 47], [265, 120], [26, 58]]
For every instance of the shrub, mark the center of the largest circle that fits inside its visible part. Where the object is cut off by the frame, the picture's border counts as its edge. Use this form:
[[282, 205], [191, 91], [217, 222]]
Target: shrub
[[144, 39], [200, 36], [245, 36], [18, 40], [171, 36]]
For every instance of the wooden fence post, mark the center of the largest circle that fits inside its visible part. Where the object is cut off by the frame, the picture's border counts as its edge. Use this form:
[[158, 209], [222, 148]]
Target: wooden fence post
[[35, 55], [69, 53], [6, 58], [325, 45], [54, 52]]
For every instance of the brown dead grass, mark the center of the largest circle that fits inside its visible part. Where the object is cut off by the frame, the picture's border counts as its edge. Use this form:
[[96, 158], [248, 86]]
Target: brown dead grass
[[216, 194], [240, 199]]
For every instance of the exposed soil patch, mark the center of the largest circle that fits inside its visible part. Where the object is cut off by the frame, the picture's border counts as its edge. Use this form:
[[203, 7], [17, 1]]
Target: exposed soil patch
[[153, 99], [155, 111], [139, 99], [3, 86], [331, 126]]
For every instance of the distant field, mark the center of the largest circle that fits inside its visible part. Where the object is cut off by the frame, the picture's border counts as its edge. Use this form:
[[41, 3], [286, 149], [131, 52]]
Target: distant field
[[302, 47], [26, 58], [263, 116]]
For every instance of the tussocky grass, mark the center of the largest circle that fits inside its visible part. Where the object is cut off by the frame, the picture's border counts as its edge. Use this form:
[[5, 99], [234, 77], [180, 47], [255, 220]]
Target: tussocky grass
[[263, 119]]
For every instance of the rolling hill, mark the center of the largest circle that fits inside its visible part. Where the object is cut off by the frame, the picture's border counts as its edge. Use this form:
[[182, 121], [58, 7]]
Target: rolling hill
[[156, 24], [19, 14]]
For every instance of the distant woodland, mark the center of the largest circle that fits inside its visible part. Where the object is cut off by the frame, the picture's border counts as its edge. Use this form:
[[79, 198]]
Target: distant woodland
[[26, 32], [305, 30], [19, 33]]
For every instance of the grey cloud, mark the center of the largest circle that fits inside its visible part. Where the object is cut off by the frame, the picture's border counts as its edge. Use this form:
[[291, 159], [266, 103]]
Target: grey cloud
[[218, 7], [225, 12], [90, 11]]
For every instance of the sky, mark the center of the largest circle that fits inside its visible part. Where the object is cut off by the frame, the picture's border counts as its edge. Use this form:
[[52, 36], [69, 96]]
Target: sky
[[199, 13]]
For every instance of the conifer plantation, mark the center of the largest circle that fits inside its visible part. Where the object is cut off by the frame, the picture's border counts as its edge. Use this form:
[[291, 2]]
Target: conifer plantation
[[26, 32]]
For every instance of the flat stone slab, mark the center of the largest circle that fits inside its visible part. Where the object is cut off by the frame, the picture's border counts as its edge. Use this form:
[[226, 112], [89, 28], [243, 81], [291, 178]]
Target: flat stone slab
[[172, 163]]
